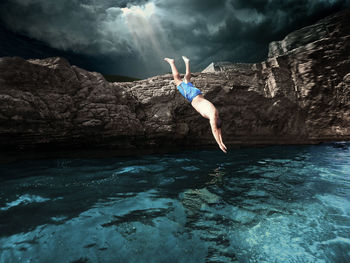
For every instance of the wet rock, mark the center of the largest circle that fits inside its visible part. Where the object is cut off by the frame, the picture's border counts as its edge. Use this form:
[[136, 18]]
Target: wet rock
[[300, 94], [194, 200], [204, 220]]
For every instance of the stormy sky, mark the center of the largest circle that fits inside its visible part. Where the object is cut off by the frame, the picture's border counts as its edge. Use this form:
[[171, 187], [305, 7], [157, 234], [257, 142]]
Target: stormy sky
[[132, 37]]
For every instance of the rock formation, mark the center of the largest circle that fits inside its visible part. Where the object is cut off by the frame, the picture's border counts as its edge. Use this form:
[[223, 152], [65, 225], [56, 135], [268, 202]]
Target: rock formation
[[300, 94]]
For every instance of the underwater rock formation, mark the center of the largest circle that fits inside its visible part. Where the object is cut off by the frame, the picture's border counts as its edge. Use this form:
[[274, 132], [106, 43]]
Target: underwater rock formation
[[300, 94]]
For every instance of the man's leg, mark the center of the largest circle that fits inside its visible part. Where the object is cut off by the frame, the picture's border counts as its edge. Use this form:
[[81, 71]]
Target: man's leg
[[176, 75], [187, 77]]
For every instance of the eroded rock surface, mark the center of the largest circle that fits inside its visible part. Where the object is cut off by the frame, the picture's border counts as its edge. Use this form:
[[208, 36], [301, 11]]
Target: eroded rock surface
[[300, 94]]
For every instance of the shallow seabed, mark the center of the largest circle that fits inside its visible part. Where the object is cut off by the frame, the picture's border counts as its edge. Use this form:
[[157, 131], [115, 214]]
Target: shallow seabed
[[273, 204]]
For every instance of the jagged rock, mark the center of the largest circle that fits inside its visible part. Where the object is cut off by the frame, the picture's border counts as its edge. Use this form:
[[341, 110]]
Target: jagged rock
[[300, 94], [222, 66]]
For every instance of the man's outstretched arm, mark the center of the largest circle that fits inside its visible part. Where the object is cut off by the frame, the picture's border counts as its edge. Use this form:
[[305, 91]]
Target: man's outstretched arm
[[216, 135]]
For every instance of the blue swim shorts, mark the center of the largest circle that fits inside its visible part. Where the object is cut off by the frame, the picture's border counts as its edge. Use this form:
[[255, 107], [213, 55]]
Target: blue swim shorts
[[188, 90]]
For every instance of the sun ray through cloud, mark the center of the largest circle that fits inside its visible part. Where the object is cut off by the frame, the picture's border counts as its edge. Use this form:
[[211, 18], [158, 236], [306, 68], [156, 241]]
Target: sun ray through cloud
[[147, 33], [134, 35]]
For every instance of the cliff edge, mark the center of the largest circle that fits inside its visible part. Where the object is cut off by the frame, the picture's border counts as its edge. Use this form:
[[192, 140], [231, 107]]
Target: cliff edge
[[300, 94]]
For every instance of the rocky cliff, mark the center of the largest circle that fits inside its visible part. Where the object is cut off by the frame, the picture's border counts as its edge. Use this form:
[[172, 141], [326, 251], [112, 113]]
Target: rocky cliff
[[300, 94]]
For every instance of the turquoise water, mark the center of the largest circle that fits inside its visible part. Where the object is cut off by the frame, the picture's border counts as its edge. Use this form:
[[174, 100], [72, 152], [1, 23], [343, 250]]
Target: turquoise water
[[273, 204]]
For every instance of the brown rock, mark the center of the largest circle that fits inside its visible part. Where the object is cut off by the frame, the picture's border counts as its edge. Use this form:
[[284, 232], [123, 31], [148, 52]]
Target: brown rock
[[300, 94]]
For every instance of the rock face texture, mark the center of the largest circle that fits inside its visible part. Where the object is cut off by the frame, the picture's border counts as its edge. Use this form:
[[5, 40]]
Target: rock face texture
[[300, 94]]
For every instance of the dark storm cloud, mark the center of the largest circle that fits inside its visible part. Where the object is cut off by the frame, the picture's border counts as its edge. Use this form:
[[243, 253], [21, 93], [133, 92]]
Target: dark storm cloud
[[240, 30], [136, 35], [63, 24]]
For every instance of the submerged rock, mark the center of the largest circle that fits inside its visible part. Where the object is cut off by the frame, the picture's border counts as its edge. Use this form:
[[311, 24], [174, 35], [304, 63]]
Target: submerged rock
[[300, 94]]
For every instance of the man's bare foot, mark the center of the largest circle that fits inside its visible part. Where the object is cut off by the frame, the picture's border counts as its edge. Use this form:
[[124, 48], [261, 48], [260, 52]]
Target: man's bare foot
[[169, 60], [186, 59]]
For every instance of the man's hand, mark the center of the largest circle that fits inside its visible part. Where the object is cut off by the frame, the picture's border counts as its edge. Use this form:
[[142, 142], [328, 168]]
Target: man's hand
[[217, 135]]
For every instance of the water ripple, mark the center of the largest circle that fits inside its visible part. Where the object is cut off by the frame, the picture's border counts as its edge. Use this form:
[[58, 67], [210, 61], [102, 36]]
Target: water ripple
[[273, 204]]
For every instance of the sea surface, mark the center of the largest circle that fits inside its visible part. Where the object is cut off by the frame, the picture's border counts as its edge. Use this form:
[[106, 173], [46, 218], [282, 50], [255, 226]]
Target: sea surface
[[271, 204]]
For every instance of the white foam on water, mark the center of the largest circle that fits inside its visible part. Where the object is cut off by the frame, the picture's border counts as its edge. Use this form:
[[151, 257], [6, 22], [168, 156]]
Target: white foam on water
[[190, 168], [135, 169], [25, 199], [337, 202], [337, 240], [58, 218]]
